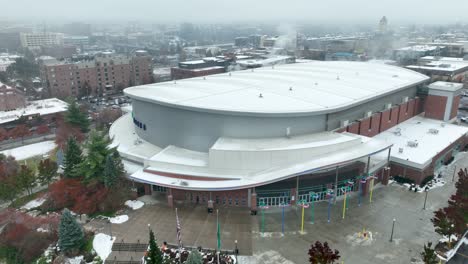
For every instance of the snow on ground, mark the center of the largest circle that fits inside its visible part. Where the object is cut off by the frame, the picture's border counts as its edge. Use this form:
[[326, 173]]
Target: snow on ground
[[445, 239], [42, 230], [119, 219], [102, 244], [28, 151], [435, 183], [134, 204], [75, 260], [449, 254], [34, 203]]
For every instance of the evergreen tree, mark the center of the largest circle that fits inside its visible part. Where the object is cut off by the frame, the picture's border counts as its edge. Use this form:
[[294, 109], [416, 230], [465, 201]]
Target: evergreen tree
[[26, 179], [194, 258], [72, 158], [322, 254], [428, 255], [71, 236], [76, 117], [154, 255], [110, 172], [93, 165], [47, 171]]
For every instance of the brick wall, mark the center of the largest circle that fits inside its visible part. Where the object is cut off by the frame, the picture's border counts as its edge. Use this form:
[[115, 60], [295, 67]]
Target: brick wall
[[455, 104], [434, 106], [353, 128]]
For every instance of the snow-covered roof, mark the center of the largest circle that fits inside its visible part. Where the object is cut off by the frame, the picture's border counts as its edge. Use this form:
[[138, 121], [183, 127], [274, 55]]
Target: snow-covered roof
[[446, 86], [239, 163], [299, 88], [420, 48], [418, 130], [39, 107], [439, 65]]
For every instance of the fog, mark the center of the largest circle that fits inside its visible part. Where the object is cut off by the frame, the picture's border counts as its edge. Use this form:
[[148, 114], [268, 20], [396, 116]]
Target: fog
[[226, 11]]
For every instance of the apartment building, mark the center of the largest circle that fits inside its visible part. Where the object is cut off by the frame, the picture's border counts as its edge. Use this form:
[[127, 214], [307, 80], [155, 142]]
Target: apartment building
[[106, 73]]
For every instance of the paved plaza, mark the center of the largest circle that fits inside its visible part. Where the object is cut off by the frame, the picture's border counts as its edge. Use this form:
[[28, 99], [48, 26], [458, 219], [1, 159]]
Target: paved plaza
[[413, 227]]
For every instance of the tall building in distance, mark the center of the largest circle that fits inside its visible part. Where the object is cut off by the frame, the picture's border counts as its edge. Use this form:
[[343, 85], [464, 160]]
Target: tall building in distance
[[383, 24], [41, 39], [106, 73]]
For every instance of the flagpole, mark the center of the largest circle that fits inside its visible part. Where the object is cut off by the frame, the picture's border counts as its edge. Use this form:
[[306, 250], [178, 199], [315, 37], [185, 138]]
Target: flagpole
[[218, 234]]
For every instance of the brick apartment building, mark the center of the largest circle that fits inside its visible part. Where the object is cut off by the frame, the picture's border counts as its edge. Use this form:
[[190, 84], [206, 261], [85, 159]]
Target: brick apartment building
[[198, 68], [106, 73], [11, 98]]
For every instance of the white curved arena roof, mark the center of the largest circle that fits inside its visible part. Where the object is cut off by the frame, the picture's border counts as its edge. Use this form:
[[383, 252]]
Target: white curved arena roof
[[300, 88]]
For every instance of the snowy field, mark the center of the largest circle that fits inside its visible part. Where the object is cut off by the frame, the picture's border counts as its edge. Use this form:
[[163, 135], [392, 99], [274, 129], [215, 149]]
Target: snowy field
[[29, 151], [119, 219], [34, 203]]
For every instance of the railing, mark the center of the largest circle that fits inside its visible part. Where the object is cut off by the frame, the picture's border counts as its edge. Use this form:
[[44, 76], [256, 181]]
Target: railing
[[130, 247]]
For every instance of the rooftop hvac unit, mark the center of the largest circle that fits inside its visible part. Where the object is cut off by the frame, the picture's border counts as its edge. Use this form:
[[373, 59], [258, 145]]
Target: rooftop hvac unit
[[413, 144], [442, 124], [368, 114], [400, 150], [397, 131], [344, 123], [433, 131]]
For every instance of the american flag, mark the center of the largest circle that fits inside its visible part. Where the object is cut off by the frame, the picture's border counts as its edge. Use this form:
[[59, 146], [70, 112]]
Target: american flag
[[179, 236]]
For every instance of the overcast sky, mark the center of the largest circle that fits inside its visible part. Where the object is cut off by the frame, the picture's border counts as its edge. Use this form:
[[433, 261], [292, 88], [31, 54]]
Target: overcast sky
[[331, 11]]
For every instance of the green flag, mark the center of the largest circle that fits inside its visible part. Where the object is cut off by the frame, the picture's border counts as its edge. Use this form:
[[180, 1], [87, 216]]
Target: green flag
[[218, 232]]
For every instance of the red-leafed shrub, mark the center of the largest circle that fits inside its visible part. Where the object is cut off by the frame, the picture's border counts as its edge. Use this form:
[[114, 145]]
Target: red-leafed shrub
[[42, 129], [66, 130], [19, 131]]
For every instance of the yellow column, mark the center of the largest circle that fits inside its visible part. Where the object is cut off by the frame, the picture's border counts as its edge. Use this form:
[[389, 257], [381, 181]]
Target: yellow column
[[371, 190], [344, 205], [302, 224]]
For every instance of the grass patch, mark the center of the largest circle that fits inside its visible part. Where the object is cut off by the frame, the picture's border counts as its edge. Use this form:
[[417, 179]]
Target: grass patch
[[105, 214], [26, 199], [9, 255]]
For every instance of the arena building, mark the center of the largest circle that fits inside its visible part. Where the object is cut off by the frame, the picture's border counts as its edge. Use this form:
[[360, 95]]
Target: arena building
[[276, 135]]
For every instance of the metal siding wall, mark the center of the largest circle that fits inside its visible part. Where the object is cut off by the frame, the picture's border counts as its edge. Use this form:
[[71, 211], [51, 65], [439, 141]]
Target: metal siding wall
[[199, 130], [376, 105]]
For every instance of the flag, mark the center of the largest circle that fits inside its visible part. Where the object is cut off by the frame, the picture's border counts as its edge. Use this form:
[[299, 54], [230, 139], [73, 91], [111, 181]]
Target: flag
[[219, 231], [179, 237]]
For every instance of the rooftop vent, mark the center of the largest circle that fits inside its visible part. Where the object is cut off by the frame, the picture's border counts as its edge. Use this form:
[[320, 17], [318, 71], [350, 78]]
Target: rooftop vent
[[184, 183], [413, 144], [175, 82], [442, 124], [338, 77], [433, 131], [260, 95], [400, 150], [395, 76], [316, 83], [290, 88], [397, 131], [204, 78]]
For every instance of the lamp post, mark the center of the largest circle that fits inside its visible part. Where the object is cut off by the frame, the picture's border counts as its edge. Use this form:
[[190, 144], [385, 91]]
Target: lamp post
[[426, 190], [236, 251], [303, 204], [345, 190], [263, 206], [283, 205], [393, 228], [313, 197], [110, 228], [329, 196]]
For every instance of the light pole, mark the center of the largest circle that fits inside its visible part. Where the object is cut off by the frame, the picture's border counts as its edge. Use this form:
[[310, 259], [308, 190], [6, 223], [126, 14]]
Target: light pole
[[329, 196], [426, 190], [263, 206], [393, 228], [283, 205], [345, 189], [110, 228], [236, 251], [149, 228], [313, 198], [303, 204]]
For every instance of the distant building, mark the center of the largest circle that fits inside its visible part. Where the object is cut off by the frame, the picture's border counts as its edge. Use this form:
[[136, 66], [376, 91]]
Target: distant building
[[59, 52], [410, 54], [9, 41], [106, 73], [37, 40], [197, 68], [11, 98], [442, 68], [383, 24], [78, 41], [241, 41]]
